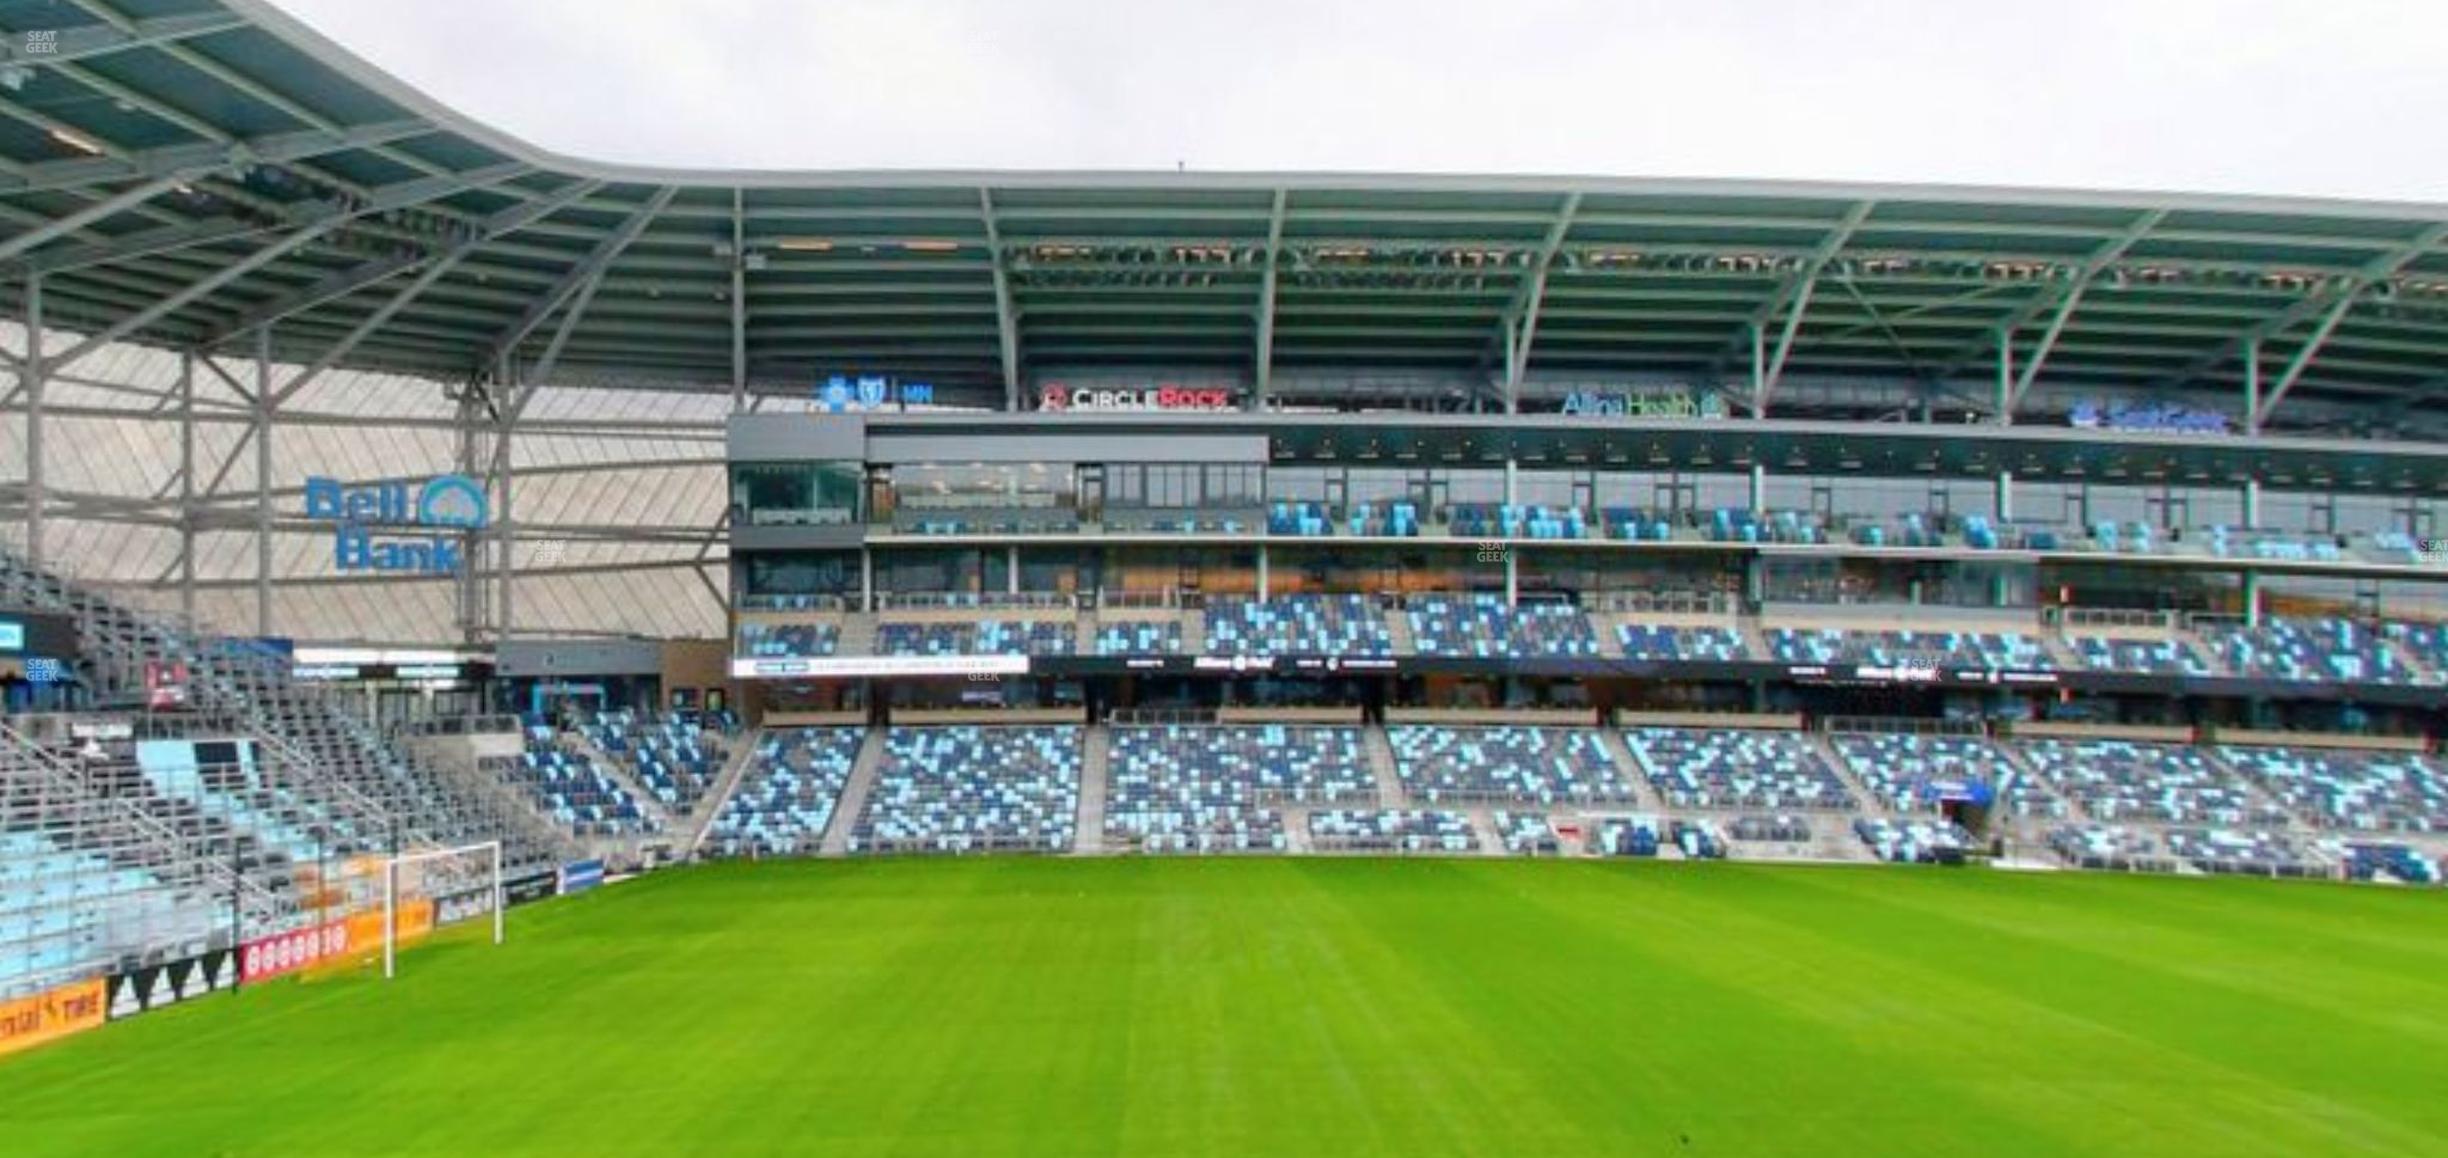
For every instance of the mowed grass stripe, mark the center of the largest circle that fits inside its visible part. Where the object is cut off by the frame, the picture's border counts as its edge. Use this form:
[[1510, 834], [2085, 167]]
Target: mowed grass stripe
[[1292, 1006]]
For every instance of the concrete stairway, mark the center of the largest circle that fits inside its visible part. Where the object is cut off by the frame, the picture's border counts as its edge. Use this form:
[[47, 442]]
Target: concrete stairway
[[1611, 739], [854, 794], [1193, 632], [1381, 762], [1095, 759], [743, 753], [1398, 629], [1872, 804]]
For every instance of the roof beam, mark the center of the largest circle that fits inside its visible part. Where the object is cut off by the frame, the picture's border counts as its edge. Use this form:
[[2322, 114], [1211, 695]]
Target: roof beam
[[92, 40], [186, 162], [1263, 371], [1797, 293], [1522, 313], [96, 212], [394, 197], [2065, 297], [1007, 319], [165, 239], [581, 277], [2348, 289], [346, 282], [2302, 360]]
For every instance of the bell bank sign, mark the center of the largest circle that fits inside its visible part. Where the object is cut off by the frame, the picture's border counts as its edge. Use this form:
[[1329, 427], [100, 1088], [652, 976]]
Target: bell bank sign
[[399, 527]]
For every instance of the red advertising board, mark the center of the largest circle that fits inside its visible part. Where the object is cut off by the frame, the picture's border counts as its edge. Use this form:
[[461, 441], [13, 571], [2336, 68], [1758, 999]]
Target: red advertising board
[[284, 953]]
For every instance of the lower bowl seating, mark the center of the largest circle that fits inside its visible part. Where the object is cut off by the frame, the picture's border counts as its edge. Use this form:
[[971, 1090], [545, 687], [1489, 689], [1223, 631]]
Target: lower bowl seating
[[1200, 788], [2002, 650], [1630, 836], [1391, 831], [1527, 834], [2126, 781], [1737, 770], [2310, 651], [1913, 773], [573, 791], [787, 794], [973, 789], [1913, 841], [2244, 852], [1446, 765], [2349, 789], [2108, 846]]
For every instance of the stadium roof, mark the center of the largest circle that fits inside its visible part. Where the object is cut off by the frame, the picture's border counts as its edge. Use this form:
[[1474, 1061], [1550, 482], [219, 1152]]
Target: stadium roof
[[199, 174]]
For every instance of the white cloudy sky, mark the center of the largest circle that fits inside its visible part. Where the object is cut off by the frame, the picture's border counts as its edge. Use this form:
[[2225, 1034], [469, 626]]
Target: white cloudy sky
[[2335, 97]]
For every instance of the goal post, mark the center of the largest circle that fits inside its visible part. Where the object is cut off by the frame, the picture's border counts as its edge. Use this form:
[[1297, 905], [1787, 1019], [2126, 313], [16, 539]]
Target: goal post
[[420, 884]]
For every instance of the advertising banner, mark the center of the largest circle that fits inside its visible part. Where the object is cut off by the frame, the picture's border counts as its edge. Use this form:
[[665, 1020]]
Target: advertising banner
[[156, 986], [48, 1016], [526, 890], [579, 876], [284, 953], [466, 906]]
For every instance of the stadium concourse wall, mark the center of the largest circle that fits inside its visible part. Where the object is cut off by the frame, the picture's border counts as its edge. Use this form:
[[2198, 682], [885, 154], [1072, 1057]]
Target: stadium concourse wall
[[90, 1003]]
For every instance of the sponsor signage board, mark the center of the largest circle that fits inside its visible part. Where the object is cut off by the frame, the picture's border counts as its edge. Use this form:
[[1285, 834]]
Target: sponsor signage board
[[53, 1014], [879, 665], [398, 527], [1166, 397], [527, 890], [151, 987], [581, 875]]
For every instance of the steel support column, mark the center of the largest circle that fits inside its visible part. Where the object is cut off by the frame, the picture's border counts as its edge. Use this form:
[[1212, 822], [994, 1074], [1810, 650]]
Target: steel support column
[[2252, 504], [187, 461], [33, 372], [2252, 598], [739, 305], [1759, 488], [2005, 377], [263, 481], [2252, 388], [2005, 496], [1759, 370], [1262, 570], [1264, 371], [505, 519], [1512, 564], [1007, 321]]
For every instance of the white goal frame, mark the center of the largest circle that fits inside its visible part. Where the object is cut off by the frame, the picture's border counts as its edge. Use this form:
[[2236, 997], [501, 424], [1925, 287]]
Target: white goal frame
[[391, 874]]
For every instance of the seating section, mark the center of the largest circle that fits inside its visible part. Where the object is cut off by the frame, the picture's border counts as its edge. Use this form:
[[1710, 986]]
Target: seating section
[[979, 637], [1389, 520], [2159, 657], [1341, 830], [1985, 649], [1769, 829], [2127, 781], [2107, 846], [2365, 862], [1482, 627], [787, 794], [1743, 525], [2246, 852], [1305, 520], [1527, 834], [1446, 765], [67, 911], [1202, 788], [1737, 769], [1913, 841], [1661, 642], [2426, 643], [1139, 637], [675, 760], [1338, 625], [2344, 788], [788, 640], [1515, 521], [573, 791], [2310, 650], [1911, 773], [1630, 836], [973, 789]]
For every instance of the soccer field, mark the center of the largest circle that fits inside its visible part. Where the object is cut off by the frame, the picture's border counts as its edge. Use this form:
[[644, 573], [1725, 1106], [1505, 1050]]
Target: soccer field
[[1320, 1006]]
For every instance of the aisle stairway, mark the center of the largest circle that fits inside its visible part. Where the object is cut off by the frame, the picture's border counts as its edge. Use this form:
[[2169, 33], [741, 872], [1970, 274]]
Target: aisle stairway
[[1095, 759], [854, 794]]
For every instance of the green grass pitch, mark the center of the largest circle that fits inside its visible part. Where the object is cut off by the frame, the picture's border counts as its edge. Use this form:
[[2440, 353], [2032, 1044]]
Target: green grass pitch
[[1320, 1006]]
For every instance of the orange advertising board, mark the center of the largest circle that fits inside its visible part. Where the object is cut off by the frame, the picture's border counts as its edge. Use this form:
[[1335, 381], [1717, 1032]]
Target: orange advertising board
[[30, 1021]]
